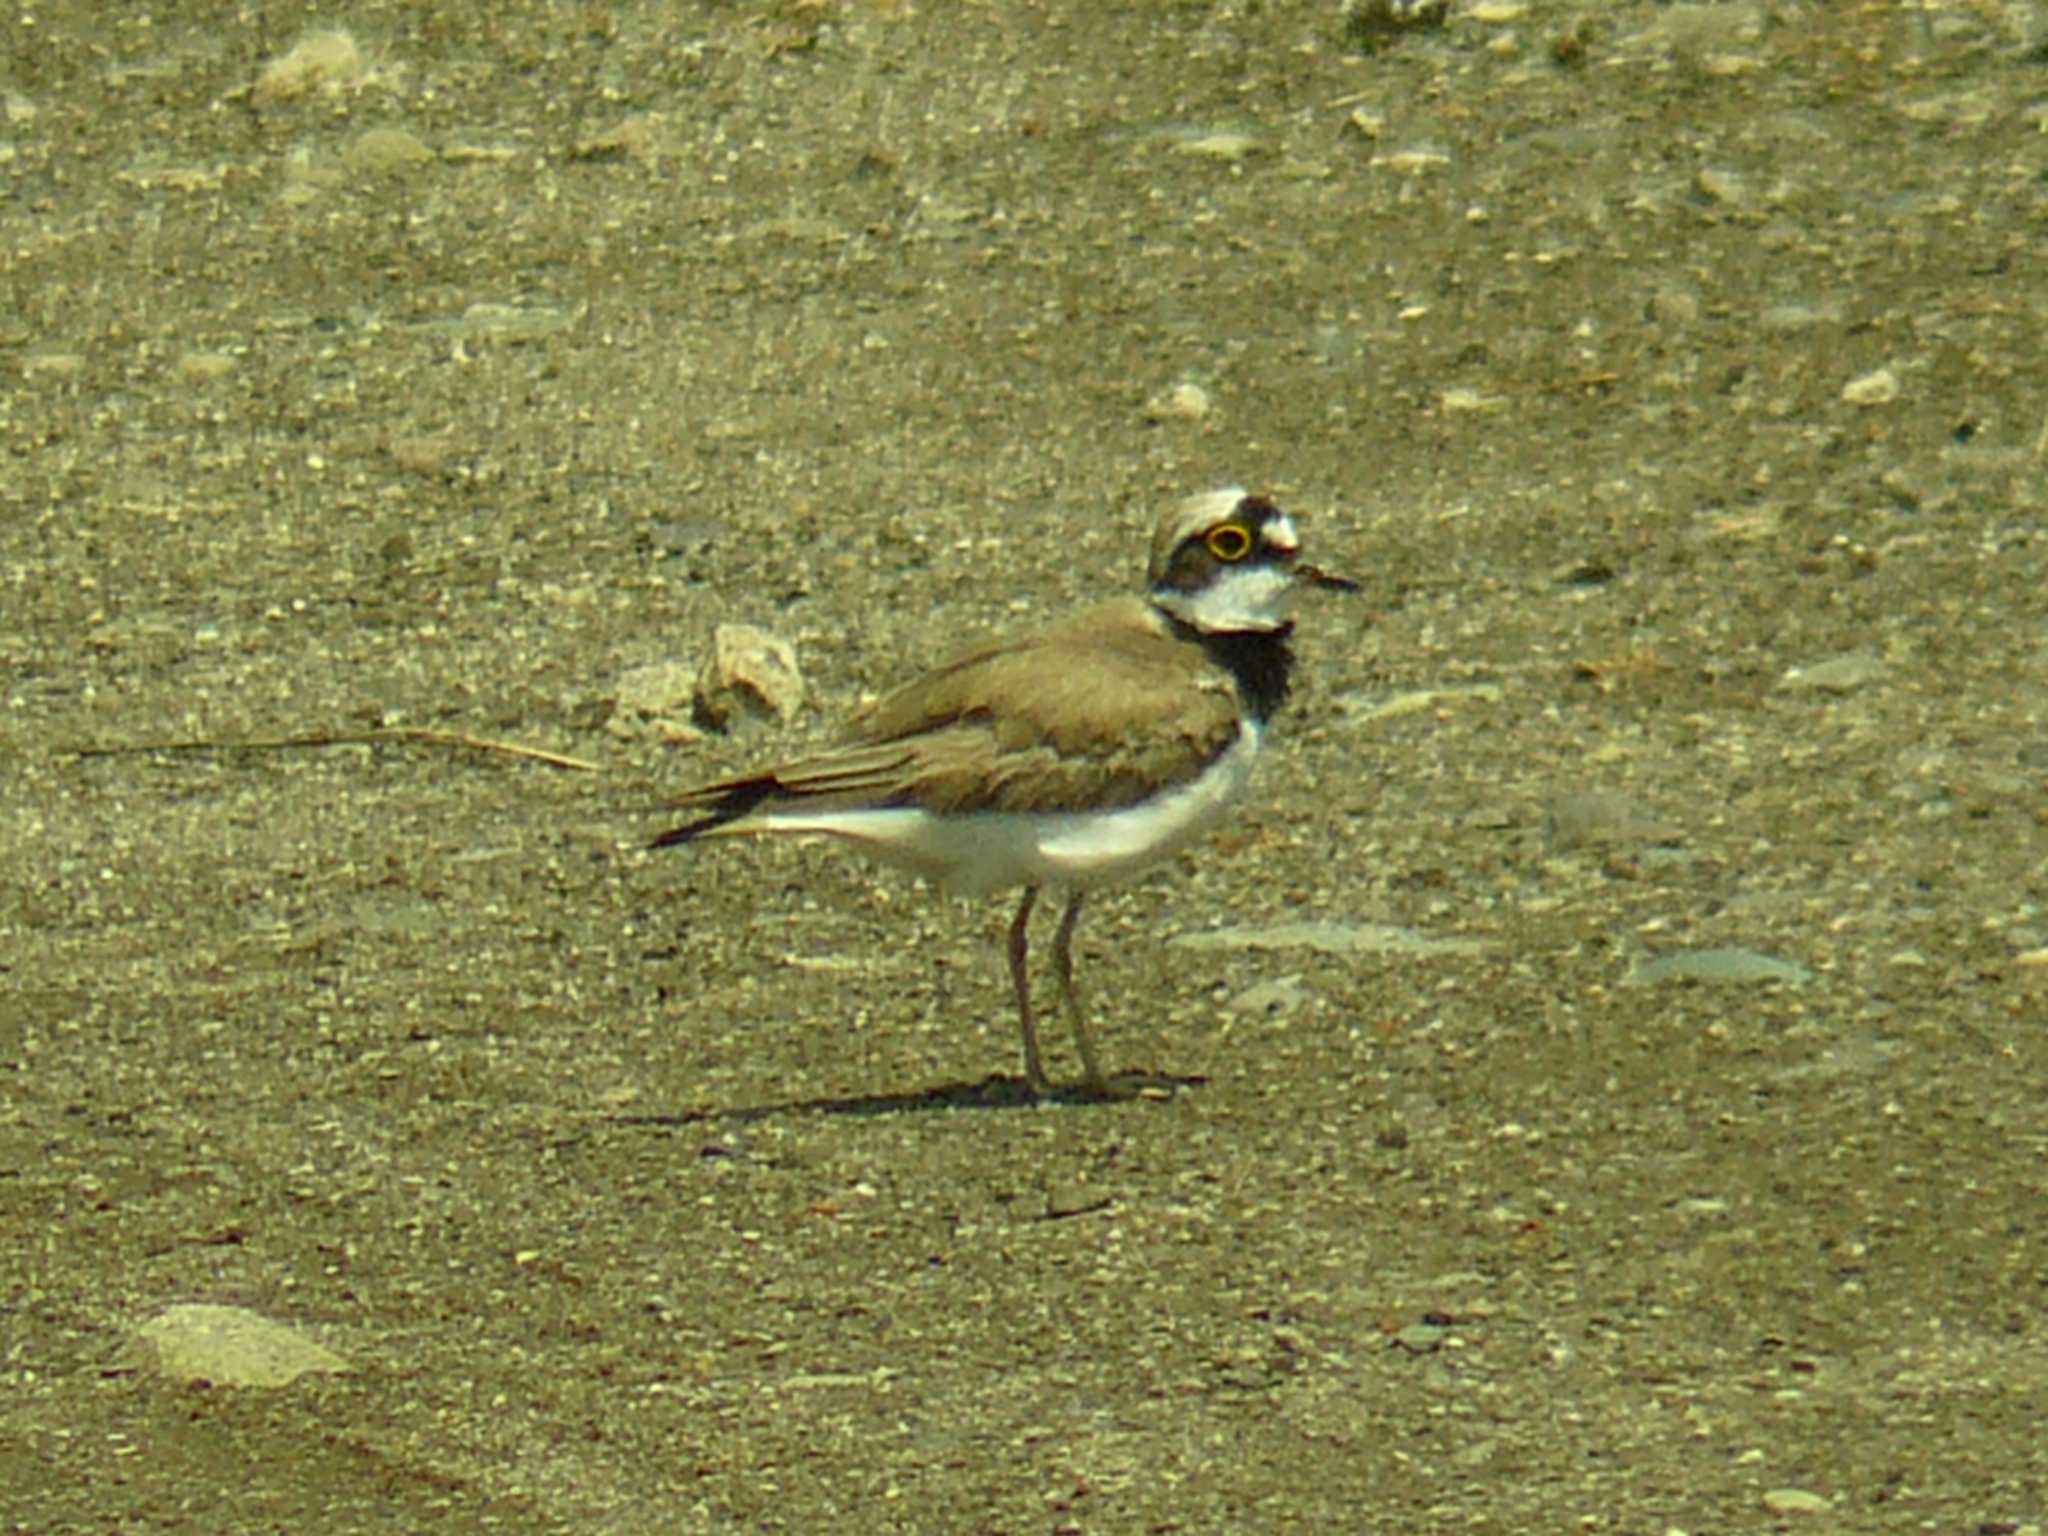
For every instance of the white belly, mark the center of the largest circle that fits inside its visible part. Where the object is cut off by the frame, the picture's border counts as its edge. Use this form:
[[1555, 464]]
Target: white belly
[[987, 850]]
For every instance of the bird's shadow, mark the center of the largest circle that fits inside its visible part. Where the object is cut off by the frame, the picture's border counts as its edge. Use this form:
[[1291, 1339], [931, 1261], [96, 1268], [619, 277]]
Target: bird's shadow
[[991, 1093]]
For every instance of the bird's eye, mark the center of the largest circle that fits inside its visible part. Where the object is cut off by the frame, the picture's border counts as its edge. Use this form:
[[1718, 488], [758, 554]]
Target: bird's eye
[[1229, 542]]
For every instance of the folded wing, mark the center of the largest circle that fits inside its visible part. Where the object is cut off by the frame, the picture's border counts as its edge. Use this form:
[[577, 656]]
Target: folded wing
[[1025, 725]]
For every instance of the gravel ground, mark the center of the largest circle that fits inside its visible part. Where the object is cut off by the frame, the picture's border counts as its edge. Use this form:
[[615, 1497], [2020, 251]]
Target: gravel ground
[[1631, 1116]]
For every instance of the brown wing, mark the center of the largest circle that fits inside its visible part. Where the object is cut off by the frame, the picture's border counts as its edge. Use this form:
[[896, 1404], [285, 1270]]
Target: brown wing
[[1098, 711]]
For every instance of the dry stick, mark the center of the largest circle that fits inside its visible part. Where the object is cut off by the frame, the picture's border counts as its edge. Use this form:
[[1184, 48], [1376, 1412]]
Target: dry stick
[[352, 738]]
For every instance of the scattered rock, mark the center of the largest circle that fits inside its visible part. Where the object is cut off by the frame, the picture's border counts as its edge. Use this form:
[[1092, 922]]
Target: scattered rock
[[1903, 487], [1722, 965], [1838, 674], [749, 671], [1370, 25], [643, 138], [1674, 306], [1587, 571], [1792, 319], [1796, 1501], [1729, 66], [229, 1347], [660, 697], [1330, 939], [424, 453], [1419, 701], [1878, 388], [1183, 402], [323, 63], [1219, 146], [1693, 31], [1076, 1198], [53, 365], [1971, 108], [1422, 1338], [1718, 186], [1601, 818], [1412, 162], [202, 368], [1460, 400], [486, 320], [385, 151], [1280, 998]]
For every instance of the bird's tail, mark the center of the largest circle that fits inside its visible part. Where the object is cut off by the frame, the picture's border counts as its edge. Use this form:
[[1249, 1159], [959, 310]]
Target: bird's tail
[[721, 804]]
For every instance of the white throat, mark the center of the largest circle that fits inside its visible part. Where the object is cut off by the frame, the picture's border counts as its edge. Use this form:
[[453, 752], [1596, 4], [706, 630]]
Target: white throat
[[1241, 598]]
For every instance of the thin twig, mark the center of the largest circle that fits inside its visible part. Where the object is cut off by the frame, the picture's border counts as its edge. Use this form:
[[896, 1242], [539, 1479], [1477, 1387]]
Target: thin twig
[[352, 738]]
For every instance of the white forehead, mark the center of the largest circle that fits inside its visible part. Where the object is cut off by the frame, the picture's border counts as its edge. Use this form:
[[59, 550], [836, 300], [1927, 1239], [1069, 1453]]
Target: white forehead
[[1201, 512], [1207, 507]]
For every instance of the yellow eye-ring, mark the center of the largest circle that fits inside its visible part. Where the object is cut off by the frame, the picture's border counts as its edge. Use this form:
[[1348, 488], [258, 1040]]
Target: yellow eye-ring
[[1229, 542]]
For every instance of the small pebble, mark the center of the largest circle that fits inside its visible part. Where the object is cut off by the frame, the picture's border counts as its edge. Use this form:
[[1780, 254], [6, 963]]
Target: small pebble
[[1796, 1501], [322, 63], [1075, 1199], [1280, 998], [1673, 305], [228, 1347], [1878, 388], [1603, 818], [1219, 146], [749, 671], [1183, 402], [383, 151], [1838, 674], [660, 697], [197, 368], [1722, 187], [1412, 162], [1421, 1338], [1722, 965]]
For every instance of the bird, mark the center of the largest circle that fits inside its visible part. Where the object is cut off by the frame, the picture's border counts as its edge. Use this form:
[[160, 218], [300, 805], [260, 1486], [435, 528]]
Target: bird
[[1071, 756]]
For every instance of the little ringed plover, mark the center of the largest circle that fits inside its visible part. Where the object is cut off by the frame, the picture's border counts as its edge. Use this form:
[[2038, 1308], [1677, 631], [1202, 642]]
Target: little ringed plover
[[1075, 755]]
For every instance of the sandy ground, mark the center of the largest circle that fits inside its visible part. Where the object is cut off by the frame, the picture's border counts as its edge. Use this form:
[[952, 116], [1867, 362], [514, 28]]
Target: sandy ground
[[1655, 1137]]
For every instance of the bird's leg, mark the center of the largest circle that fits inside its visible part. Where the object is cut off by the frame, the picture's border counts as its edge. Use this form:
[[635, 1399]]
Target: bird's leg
[[1063, 962], [1034, 1067]]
